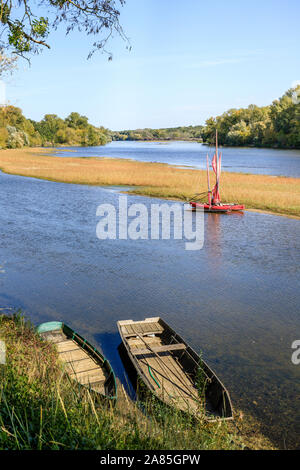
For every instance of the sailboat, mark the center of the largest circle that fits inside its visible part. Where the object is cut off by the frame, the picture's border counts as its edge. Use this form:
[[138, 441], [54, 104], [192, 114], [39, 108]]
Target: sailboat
[[214, 203]]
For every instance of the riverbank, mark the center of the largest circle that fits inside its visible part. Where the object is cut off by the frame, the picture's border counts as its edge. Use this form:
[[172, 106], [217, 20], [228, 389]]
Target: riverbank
[[271, 194], [42, 409]]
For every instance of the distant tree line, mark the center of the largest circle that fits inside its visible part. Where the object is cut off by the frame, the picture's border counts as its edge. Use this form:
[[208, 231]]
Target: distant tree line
[[276, 125], [16, 131], [172, 133]]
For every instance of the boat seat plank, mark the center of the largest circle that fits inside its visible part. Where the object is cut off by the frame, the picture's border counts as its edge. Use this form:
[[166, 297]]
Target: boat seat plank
[[157, 349], [141, 328]]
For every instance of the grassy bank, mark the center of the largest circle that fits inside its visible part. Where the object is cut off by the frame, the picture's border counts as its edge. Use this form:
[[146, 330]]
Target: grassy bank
[[279, 195], [40, 408]]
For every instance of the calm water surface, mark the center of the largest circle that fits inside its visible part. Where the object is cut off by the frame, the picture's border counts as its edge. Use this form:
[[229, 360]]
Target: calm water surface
[[237, 299], [241, 160]]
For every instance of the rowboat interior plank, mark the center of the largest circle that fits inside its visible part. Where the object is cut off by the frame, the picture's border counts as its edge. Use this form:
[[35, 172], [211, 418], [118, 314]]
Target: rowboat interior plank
[[142, 328], [161, 348], [98, 386], [73, 355], [156, 332], [89, 377], [136, 342], [129, 329], [175, 385], [68, 345], [81, 366]]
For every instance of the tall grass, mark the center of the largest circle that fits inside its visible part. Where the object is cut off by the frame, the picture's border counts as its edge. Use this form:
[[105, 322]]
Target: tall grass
[[280, 195]]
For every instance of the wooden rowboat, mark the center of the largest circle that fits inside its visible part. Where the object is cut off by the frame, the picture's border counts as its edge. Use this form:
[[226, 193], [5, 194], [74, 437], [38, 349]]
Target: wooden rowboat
[[81, 360], [170, 368]]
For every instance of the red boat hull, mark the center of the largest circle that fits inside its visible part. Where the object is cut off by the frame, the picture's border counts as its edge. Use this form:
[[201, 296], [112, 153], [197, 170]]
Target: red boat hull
[[218, 208]]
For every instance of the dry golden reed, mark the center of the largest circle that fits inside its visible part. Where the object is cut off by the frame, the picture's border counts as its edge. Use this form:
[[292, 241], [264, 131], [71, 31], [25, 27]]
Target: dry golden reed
[[280, 195]]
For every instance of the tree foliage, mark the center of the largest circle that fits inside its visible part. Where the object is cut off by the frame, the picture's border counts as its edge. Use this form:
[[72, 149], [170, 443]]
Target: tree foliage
[[16, 131], [277, 125], [25, 30]]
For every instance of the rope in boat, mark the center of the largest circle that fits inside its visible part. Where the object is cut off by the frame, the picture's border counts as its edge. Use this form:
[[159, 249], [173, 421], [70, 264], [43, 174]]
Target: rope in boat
[[149, 368], [166, 367], [180, 390], [158, 357]]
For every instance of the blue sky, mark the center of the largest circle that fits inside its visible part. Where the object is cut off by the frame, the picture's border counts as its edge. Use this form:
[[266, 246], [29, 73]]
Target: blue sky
[[190, 60]]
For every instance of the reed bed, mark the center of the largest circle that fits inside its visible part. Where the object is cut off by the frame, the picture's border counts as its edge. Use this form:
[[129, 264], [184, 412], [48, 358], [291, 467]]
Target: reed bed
[[280, 195]]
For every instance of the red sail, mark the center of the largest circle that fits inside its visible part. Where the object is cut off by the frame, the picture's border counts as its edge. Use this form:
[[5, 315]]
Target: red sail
[[215, 194], [217, 168], [208, 183], [214, 163]]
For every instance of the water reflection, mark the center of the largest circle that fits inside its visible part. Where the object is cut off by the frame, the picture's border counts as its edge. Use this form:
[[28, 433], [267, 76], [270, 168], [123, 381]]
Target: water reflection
[[213, 235]]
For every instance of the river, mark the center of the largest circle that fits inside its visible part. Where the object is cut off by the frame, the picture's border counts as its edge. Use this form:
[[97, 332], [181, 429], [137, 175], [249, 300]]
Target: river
[[237, 300], [275, 162]]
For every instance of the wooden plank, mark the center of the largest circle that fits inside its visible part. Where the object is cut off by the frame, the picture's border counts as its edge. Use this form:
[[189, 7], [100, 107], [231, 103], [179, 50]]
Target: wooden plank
[[163, 348], [124, 330], [98, 386], [81, 366], [141, 327], [153, 332], [135, 342], [90, 376], [175, 387], [161, 373], [172, 390], [67, 345], [181, 378], [73, 355], [138, 328], [129, 329]]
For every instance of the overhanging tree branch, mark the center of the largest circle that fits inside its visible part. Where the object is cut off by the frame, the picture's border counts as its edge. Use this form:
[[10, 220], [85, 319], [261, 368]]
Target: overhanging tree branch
[[25, 32]]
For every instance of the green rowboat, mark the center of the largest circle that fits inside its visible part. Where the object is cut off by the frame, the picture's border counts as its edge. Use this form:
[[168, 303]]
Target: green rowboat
[[82, 361]]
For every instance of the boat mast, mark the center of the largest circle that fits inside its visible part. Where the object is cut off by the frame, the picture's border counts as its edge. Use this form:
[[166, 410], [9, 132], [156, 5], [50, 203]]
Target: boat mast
[[217, 157], [208, 183]]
